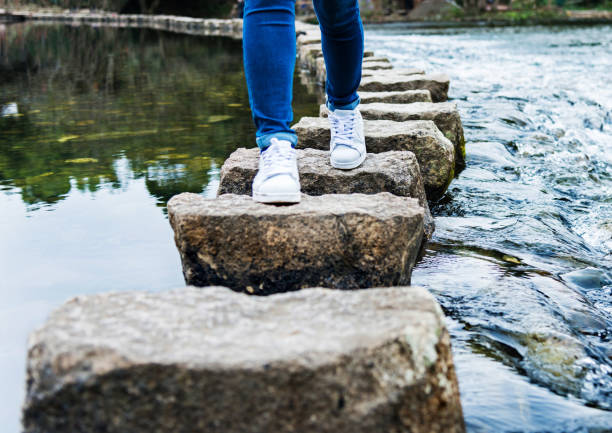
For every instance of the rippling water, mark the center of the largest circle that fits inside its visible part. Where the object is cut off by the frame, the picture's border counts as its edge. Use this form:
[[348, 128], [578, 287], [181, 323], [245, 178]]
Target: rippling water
[[522, 256], [99, 127]]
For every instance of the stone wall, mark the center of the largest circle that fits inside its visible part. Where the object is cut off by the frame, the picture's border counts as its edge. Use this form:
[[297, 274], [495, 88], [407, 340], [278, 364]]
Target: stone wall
[[200, 8]]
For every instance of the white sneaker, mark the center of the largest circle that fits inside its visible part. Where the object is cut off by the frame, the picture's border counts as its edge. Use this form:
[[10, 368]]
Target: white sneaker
[[277, 180], [347, 147]]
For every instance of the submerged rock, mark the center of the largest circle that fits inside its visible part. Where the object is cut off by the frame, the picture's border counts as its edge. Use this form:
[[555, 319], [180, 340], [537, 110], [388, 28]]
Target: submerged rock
[[394, 172], [435, 153], [210, 360], [437, 84], [341, 241]]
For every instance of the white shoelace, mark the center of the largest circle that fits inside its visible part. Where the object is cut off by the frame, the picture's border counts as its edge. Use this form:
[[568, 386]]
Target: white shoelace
[[278, 157], [343, 129]]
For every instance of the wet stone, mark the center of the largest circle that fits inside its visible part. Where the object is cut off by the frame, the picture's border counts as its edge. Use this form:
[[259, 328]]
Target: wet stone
[[444, 114], [437, 84], [394, 172], [341, 241], [186, 360]]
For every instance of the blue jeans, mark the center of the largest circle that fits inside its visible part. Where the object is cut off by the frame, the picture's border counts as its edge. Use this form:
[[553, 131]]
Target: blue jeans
[[269, 60]]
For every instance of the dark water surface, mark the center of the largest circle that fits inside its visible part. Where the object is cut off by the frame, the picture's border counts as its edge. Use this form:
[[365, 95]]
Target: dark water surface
[[522, 256], [100, 127]]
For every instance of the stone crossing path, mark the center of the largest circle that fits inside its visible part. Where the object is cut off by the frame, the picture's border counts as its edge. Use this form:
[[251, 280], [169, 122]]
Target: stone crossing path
[[371, 356]]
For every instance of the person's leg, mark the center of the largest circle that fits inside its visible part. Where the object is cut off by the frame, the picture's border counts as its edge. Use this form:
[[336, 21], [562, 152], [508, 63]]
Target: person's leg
[[269, 62], [342, 40]]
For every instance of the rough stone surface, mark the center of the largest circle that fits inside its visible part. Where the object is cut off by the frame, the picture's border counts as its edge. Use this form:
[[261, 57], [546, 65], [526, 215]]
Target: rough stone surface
[[341, 241], [377, 65], [434, 152], [444, 114], [391, 72], [437, 84], [394, 172], [374, 59], [402, 97], [321, 72], [211, 360]]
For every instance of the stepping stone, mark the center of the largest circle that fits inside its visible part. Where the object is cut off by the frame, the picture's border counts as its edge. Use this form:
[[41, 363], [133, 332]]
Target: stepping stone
[[321, 71], [211, 360], [377, 65], [443, 114], [401, 97], [372, 59], [309, 38], [340, 241], [394, 172], [435, 153], [391, 72], [437, 84], [302, 27]]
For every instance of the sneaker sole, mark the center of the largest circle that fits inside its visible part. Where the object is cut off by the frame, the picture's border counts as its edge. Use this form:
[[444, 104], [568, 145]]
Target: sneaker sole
[[277, 198], [348, 165]]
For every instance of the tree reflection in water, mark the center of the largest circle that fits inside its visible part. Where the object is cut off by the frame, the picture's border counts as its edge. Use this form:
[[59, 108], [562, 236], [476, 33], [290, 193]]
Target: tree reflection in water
[[75, 100]]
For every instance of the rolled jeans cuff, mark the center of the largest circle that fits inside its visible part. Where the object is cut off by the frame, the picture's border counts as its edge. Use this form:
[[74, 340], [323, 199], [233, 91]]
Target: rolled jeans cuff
[[264, 141], [350, 106]]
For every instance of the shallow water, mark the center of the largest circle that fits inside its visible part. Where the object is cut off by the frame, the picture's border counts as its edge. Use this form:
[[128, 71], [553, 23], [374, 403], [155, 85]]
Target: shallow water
[[101, 127], [522, 256]]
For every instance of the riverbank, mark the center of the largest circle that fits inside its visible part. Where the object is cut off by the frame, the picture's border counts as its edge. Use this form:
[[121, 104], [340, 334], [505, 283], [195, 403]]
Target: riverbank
[[173, 22]]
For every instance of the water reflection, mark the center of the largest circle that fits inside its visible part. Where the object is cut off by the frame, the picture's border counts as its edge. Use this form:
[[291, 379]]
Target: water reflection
[[99, 127], [76, 99]]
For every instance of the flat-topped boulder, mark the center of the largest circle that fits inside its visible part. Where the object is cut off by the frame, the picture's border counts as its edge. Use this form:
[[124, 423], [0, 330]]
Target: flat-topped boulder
[[377, 65], [399, 97], [376, 59], [340, 241], [211, 360], [437, 84], [391, 72], [444, 114], [394, 172], [434, 152]]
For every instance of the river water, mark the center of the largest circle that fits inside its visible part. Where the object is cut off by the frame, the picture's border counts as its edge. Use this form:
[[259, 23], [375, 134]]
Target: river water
[[100, 127]]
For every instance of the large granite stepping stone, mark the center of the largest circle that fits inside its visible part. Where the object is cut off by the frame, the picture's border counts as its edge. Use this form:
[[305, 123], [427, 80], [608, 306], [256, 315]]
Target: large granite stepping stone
[[443, 114], [211, 360], [400, 97], [394, 172], [437, 84], [434, 153], [341, 241]]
